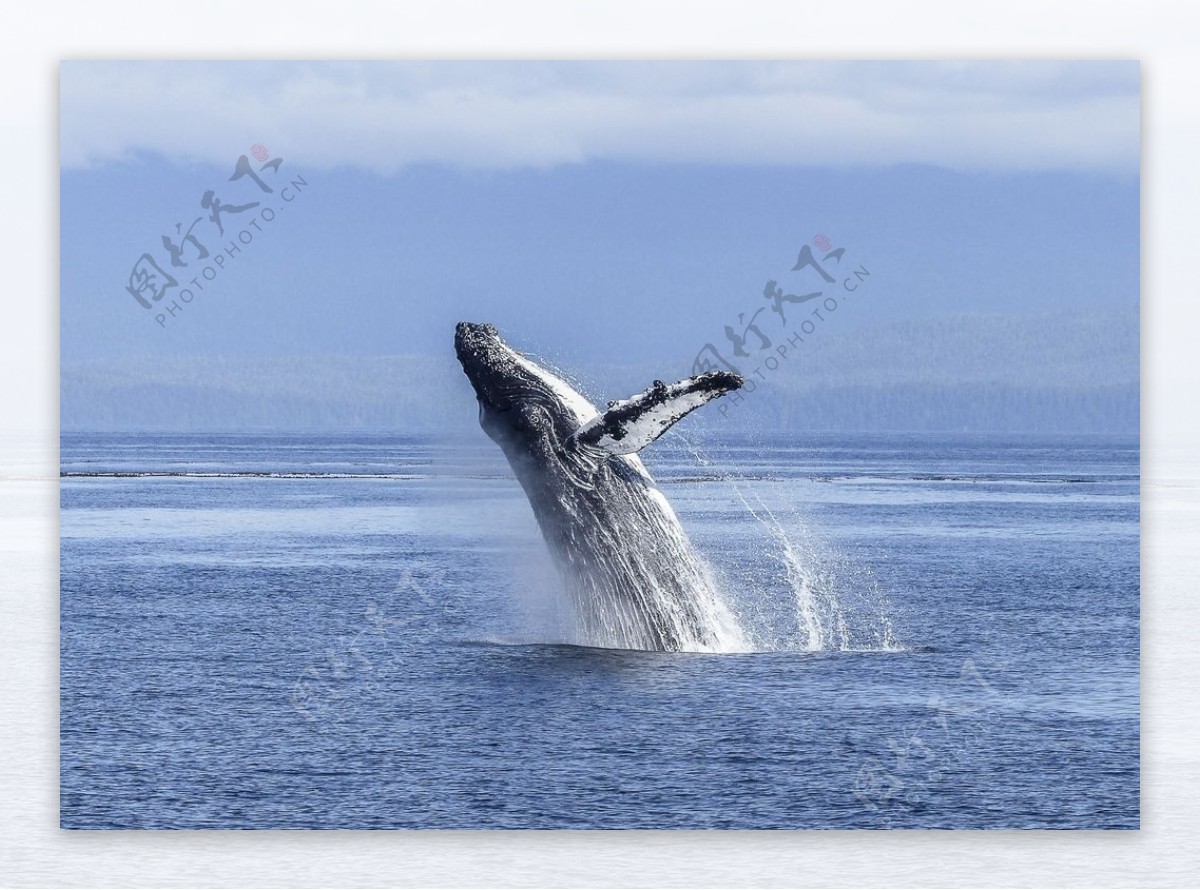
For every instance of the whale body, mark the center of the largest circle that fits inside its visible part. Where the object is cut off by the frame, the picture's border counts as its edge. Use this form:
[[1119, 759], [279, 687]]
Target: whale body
[[632, 574]]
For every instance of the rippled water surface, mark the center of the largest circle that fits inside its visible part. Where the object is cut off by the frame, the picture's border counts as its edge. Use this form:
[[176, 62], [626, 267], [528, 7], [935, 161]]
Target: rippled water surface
[[365, 632]]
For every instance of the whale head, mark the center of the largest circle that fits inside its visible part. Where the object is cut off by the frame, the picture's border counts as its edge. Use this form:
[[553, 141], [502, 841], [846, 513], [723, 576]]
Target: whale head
[[520, 403]]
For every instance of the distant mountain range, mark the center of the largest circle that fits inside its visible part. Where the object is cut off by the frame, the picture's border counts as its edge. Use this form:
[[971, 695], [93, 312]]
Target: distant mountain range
[[994, 373]]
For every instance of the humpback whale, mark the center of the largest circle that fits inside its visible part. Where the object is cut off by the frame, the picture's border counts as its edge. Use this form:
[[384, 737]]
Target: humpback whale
[[632, 574]]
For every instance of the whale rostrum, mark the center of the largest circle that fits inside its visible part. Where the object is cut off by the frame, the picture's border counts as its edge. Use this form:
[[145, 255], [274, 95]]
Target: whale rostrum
[[633, 577]]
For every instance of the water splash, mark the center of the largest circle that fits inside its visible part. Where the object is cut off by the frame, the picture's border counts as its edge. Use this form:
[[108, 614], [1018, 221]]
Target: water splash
[[677, 604], [819, 600], [591, 588]]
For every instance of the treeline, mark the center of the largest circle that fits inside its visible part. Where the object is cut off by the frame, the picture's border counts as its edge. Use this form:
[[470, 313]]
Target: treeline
[[1053, 373]]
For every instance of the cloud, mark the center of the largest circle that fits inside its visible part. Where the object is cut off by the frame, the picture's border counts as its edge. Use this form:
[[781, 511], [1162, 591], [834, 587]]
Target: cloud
[[382, 116]]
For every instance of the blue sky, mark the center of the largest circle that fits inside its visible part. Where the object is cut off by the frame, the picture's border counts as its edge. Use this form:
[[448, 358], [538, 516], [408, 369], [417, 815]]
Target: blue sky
[[599, 210]]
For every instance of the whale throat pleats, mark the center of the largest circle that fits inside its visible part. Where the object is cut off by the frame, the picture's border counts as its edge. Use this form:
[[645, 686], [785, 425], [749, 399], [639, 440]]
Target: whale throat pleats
[[630, 425]]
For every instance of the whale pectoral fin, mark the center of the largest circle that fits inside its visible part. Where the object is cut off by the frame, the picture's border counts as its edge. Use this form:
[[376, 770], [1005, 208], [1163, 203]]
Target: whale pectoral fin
[[630, 425]]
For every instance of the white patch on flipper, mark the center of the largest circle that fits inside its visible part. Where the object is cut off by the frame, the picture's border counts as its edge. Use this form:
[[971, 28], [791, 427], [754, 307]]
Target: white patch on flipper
[[631, 424], [649, 425]]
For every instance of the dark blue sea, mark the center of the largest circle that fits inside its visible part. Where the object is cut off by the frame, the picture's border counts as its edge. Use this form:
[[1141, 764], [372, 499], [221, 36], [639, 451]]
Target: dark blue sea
[[364, 631]]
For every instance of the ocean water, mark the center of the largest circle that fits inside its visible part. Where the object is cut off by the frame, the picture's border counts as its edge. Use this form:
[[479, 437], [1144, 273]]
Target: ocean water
[[364, 631]]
